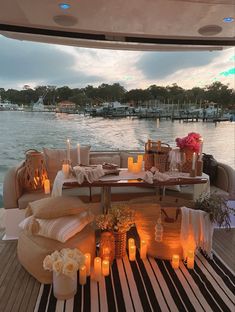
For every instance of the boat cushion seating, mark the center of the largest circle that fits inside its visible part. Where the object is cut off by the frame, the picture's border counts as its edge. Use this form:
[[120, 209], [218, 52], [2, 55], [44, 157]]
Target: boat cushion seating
[[55, 207], [30, 197], [32, 250], [146, 216], [99, 160], [55, 157], [219, 191], [223, 181]]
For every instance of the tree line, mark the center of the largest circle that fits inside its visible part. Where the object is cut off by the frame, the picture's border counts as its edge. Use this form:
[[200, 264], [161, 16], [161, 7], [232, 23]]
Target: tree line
[[216, 92]]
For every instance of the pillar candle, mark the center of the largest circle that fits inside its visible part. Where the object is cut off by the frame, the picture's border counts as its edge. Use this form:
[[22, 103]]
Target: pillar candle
[[88, 263], [194, 161], [65, 170], [135, 168], [130, 163], [132, 252], [131, 242], [175, 261], [201, 148], [190, 259], [105, 267], [82, 275], [79, 153], [143, 249], [97, 269], [68, 149], [140, 162], [47, 188], [106, 253]]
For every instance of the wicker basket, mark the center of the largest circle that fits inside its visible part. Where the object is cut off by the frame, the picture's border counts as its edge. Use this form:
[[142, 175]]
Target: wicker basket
[[120, 244], [156, 155]]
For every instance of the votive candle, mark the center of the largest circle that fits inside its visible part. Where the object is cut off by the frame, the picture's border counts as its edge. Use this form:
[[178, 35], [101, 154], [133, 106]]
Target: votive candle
[[88, 263], [68, 149], [105, 267], [143, 249], [190, 259], [194, 161], [65, 170], [79, 153], [47, 187], [106, 253], [175, 261], [130, 163], [82, 275], [97, 269], [131, 242], [132, 253]]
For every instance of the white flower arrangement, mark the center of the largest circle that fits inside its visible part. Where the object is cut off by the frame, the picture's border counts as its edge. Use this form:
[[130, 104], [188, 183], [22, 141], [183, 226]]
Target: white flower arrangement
[[66, 261]]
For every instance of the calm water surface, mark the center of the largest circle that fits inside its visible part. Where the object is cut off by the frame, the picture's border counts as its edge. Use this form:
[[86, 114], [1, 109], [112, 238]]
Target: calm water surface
[[21, 131]]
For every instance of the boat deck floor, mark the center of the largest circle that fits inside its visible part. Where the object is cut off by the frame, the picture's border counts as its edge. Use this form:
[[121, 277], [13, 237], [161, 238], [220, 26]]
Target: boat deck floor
[[19, 290]]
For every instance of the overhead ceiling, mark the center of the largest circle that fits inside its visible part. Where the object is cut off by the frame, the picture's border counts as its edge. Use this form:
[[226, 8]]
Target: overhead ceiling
[[122, 24]]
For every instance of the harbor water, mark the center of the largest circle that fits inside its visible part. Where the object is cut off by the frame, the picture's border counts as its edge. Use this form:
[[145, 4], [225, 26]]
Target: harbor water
[[21, 131]]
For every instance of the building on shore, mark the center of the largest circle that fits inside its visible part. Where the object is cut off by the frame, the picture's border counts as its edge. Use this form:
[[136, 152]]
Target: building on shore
[[66, 107]]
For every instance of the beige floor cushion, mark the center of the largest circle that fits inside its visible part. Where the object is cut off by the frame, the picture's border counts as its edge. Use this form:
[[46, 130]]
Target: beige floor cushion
[[32, 250]]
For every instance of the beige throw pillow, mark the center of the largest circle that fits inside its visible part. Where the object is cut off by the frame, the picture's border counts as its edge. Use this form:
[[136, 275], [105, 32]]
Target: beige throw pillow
[[60, 229], [55, 207], [54, 159]]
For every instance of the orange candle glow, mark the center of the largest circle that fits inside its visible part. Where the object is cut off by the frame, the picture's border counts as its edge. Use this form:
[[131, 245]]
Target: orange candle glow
[[82, 275], [65, 170], [97, 269], [143, 249], [131, 242], [88, 263], [140, 161], [47, 188], [132, 253], [175, 261], [130, 163], [105, 267], [135, 168], [190, 259]]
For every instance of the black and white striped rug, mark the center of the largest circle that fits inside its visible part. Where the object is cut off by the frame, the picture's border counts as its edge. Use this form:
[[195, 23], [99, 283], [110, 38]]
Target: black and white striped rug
[[151, 285]]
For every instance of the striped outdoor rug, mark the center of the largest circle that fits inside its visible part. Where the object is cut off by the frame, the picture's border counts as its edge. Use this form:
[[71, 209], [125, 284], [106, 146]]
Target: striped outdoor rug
[[151, 285]]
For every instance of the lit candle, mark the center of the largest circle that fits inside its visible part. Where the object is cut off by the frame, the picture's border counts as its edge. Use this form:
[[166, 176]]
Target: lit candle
[[105, 267], [97, 269], [140, 162], [194, 161], [88, 263], [135, 168], [82, 275], [106, 253], [79, 154], [131, 242], [143, 249], [65, 170], [132, 252], [68, 149], [175, 261], [201, 148], [190, 259], [47, 188], [130, 163]]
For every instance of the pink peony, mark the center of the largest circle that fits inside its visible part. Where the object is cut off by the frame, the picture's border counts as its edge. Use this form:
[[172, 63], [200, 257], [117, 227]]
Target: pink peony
[[191, 141]]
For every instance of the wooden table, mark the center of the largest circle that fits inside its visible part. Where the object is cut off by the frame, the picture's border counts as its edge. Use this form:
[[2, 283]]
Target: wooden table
[[107, 185]]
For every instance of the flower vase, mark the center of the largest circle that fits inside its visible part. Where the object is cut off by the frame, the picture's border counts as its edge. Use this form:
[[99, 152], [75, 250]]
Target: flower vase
[[120, 244], [187, 166], [64, 287]]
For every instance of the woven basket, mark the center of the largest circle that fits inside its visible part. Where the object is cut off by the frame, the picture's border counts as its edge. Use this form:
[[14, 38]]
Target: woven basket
[[158, 157], [120, 244]]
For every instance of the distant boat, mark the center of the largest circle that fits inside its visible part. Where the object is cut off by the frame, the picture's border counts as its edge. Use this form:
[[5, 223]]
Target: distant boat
[[39, 105], [8, 106]]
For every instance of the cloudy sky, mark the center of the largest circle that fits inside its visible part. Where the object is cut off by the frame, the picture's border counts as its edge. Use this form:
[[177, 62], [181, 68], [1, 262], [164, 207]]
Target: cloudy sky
[[43, 64]]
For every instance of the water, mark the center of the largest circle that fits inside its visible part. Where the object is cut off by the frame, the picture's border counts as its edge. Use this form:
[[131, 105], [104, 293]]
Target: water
[[21, 131]]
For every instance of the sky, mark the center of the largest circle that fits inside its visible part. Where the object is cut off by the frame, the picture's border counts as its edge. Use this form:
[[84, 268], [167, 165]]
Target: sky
[[29, 63]]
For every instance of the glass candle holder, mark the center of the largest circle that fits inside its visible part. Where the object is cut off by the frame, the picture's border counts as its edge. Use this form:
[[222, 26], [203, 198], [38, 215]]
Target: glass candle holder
[[107, 246]]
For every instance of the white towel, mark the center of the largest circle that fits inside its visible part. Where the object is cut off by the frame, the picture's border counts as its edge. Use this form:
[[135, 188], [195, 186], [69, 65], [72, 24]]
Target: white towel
[[91, 174], [196, 231], [159, 176]]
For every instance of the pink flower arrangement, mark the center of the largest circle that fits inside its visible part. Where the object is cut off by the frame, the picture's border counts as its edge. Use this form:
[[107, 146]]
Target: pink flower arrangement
[[191, 141]]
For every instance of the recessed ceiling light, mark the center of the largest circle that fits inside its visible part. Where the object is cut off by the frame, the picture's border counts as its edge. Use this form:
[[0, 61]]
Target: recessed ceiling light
[[228, 19], [210, 30], [64, 6]]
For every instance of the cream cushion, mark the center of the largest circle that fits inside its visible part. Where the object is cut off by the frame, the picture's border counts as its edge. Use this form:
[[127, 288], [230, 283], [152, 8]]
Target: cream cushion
[[60, 229], [32, 249], [55, 157], [55, 207]]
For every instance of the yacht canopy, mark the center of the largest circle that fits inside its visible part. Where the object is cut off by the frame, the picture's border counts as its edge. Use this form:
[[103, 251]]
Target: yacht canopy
[[122, 24]]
